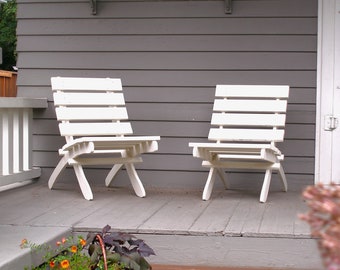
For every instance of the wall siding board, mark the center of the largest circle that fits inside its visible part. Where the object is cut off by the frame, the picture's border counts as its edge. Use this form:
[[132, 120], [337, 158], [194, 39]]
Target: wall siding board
[[171, 60], [189, 112], [179, 129], [170, 56], [168, 43], [166, 9], [178, 145], [157, 162], [175, 78], [166, 26], [147, 94]]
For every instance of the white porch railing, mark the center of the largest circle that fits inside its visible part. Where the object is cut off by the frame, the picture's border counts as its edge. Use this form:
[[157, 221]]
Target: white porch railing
[[16, 117]]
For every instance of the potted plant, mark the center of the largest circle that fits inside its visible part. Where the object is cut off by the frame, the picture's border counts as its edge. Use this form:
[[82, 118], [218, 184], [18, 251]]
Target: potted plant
[[100, 251]]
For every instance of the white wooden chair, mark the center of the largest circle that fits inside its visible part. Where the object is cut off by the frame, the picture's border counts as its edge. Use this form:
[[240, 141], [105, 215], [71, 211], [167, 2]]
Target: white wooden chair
[[247, 121], [95, 108]]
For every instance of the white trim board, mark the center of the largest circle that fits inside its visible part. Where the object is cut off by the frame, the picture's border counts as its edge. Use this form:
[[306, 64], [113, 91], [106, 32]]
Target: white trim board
[[327, 12]]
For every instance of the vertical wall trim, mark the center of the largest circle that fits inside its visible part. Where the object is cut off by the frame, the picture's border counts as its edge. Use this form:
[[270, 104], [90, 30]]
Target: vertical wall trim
[[324, 99]]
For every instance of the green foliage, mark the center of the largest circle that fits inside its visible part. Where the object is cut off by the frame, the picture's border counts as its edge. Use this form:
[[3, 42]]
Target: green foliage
[[8, 40], [67, 254], [122, 249], [114, 250]]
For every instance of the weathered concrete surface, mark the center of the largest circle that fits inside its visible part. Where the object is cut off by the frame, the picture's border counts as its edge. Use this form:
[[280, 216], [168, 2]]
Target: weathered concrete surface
[[12, 257], [274, 253], [230, 230]]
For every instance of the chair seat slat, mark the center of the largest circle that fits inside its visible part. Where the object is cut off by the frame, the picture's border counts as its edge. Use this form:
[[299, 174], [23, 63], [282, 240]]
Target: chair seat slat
[[103, 161], [223, 157]]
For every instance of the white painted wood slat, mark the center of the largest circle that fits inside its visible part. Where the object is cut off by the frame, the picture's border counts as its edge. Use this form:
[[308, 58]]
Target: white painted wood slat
[[88, 99], [91, 113], [246, 119], [6, 131], [87, 84], [259, 91], [250, 135], [94, 129], [230, 105]]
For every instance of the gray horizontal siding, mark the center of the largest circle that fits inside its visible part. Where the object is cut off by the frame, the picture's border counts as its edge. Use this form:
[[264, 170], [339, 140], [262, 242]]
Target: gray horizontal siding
[[169, 43], [165, 9], [179, 145], [178, 94], [170, 26], [186, 111], [176, 78], [294, 165], [172, 60], [170, 55], [180, 129]]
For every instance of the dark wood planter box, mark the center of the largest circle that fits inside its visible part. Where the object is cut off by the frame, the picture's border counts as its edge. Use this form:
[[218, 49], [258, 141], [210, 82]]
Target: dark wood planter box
[[8, 83]]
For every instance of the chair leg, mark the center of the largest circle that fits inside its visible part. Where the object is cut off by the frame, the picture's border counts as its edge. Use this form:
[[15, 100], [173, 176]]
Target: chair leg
[[110, 176], [58, 169], [221, 174], [209, 184], [83, 183], [265, 186], [134, 179], [283, 178]]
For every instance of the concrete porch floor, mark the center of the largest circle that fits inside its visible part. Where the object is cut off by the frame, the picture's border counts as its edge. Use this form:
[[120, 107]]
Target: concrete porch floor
[[232, 230]]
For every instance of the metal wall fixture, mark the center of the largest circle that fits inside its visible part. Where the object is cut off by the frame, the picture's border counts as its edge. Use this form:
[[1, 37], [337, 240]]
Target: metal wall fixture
[[227, 6], [93, 6]]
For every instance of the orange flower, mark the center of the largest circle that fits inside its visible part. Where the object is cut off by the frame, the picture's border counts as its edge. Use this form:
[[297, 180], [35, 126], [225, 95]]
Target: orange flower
[[63, 241], [82, 242], [52, 264], [65, 264], [23, 243], [74, 249]]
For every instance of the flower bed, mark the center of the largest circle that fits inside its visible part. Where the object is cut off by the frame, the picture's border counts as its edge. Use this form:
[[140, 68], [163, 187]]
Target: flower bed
[[106, 250]]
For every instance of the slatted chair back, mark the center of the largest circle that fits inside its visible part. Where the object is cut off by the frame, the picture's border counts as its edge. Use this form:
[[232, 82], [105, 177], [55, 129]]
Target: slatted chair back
[[249, 113], [90, 107]]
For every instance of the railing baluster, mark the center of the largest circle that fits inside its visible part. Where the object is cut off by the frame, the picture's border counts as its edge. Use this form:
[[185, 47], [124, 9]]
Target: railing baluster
[[27, 139], [16, 119], [16, 141], [5, 143]]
